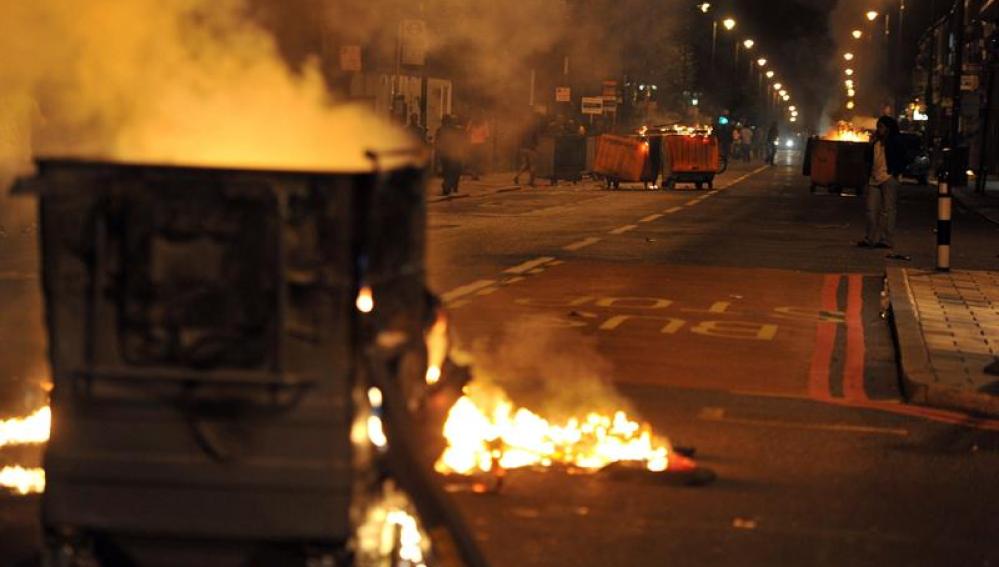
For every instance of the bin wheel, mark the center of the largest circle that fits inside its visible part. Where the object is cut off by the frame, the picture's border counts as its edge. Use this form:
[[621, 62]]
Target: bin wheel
[[699, 185], [711, 185], [671, 185], [923, 180], [812, 188]]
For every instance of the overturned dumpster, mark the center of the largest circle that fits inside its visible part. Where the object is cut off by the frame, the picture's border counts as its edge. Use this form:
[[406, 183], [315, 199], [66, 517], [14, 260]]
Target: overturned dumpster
[[216, 337]]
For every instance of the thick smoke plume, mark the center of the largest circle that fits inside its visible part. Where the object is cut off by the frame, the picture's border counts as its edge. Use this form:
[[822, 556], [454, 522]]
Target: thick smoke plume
[[553, 371], [192, 81]]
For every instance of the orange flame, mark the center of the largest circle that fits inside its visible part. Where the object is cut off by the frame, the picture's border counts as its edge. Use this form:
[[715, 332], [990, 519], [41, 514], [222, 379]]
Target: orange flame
[[29, 430], [23, 480], [846, 132], [437, 345], [488, 434]]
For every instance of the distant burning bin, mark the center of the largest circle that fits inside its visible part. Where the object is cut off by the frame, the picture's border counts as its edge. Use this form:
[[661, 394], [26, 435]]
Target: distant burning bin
[[628, 158], [837, 164], [205, 348], [561, 158], [690, 159]]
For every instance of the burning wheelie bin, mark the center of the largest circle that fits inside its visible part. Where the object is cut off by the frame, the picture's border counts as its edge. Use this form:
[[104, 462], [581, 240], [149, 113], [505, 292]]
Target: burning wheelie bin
[[690, 157], [238, 358]]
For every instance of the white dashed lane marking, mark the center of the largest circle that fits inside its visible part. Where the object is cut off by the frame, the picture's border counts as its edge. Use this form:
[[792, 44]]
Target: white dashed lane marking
[[651, 218], [529, 265], [464, 290], [623, 229], [580, 244], [673, 210]]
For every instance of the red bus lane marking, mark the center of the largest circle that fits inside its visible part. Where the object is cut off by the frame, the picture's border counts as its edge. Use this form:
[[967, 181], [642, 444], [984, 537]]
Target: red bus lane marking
[[853, 373], [825, 341]]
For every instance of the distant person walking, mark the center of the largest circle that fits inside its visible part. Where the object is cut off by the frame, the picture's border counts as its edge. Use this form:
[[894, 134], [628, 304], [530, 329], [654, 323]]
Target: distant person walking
[[478, 145], [772, 136], [886, 160], [528, 153], [450, 146], [747, 142]]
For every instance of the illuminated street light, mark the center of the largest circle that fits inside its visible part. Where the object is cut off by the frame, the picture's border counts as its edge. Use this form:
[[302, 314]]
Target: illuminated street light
[[792, 108], [848, 56], [778, 86], [748, 44], [848, 83], [849, 72], [849, 105], [794, 113], [705, 7], [857, 34], [851, 93], [786, 97], [762, 61], [794, 119], [782, 93], [872, 15], [770, 74], [729, 24]]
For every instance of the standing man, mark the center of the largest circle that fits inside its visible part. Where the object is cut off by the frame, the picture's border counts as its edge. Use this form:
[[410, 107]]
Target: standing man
[[772, 135], [747, 143], [529, 151], [450, 142], [886, 160]]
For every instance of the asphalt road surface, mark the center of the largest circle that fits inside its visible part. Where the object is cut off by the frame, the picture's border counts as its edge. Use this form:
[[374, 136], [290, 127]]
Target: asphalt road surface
[[743, 322]]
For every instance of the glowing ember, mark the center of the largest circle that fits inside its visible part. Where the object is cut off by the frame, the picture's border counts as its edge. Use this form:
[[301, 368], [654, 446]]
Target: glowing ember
[[390, 533], [22, 480], [365, 300], [481, 439], [846, 132], [26, 430], [437, 345]]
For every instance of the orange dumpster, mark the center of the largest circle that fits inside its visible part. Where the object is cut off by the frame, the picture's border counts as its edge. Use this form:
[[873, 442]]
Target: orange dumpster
[[690, 159], [621, 158]]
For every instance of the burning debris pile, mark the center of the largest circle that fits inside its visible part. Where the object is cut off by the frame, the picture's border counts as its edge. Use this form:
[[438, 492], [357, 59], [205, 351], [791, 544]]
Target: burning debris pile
[[25, 431], [486, 433], [846, 132]]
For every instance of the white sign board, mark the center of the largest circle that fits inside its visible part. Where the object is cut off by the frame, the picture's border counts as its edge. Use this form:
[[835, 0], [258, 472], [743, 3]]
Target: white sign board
[[413, 35], [593, 105]]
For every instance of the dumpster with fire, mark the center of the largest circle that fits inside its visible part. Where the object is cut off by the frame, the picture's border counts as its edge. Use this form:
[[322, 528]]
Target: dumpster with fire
[[838, 160], [231, 350], [690, 156]]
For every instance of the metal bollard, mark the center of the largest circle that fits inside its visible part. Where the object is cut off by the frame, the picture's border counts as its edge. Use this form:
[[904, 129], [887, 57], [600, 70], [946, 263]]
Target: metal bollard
[[943, 223]]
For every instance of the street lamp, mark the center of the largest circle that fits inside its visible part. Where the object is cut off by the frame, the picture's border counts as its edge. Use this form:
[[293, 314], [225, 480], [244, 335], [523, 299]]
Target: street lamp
[[786, 97], [729, 24], [704, 8], [849, 72], [848, 56], [778, 86], [748, 44], [857, 34], [782, 93], [762, 61], [850, 105], [793, 108], [848, 83], [871, 16], [770, 74], [851, 93]]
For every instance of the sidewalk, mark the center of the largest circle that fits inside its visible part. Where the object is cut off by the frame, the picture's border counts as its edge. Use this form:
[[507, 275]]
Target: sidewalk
[[986, 204], [493, 183], [947, 328]]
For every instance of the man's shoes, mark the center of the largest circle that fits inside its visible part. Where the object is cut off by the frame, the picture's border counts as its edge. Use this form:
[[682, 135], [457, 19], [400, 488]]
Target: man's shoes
[[883, 244], [516, 180], [865, 244]]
